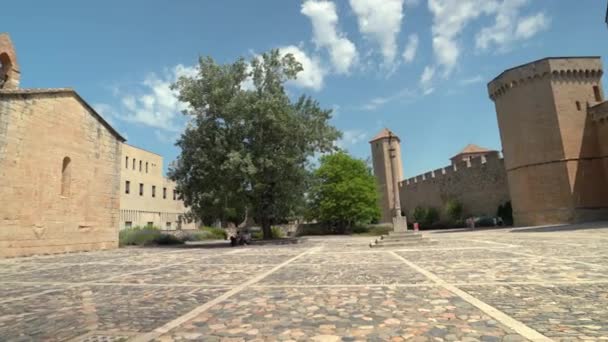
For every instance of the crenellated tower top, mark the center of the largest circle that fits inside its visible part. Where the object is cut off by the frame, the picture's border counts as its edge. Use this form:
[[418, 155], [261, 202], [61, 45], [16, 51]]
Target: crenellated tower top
[[555, 69]]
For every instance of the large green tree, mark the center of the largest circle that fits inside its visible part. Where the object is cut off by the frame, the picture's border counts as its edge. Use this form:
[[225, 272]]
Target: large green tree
[[343, 192], [248, 147]]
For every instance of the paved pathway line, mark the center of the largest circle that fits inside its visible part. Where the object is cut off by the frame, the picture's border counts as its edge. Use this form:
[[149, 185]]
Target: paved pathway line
[[200, 309], [491, 311]]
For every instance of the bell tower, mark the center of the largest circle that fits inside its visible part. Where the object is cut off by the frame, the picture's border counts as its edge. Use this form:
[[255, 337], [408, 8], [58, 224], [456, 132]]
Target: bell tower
[[388, 171], [9, 69]]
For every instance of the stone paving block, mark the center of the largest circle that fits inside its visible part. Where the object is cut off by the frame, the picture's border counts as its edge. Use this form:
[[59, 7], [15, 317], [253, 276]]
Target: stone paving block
[[516, 270], [73, 312], [71, 273], [346, 274], [457, 255], [562, 312], [195, 274], [246, 259], [343, 314], [10, 291], [348, 258]]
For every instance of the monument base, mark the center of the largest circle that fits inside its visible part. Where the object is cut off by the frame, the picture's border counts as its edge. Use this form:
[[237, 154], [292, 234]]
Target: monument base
[[399, 224]]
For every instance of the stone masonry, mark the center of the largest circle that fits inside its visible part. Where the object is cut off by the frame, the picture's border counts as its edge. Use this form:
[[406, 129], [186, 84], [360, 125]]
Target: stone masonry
[[59, 172], [554, 138], [479, 184]]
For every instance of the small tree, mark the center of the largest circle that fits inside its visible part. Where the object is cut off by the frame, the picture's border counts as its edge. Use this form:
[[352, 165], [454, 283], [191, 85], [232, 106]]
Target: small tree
[[343, 192], [425, 216]]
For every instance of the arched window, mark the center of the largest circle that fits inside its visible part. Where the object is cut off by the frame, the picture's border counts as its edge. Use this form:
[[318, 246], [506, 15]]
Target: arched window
[[66, 176]]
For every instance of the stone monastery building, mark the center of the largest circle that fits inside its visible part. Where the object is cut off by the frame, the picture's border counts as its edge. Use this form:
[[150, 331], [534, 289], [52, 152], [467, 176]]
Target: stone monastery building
[[553, 123], [63, 174]]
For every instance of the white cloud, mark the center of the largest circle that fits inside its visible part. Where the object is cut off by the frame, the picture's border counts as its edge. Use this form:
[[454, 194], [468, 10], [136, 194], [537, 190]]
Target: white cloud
[[530, 26], [324, 20], [450, 17], [410, 49], [426, 80], [510, 27], [377, 102], [153, 103], [380, 21], [351, 137], [313, 73], [472, 80]]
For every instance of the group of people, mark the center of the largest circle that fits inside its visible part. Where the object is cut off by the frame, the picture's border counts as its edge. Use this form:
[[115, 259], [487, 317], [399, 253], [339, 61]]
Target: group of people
[[241, 238]]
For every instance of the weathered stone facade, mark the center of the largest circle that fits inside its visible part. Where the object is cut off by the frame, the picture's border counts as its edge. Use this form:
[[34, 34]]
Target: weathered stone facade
[[60, 174], [554, 141], [59, 169], [147, 198], [479, 184], [381, 159]]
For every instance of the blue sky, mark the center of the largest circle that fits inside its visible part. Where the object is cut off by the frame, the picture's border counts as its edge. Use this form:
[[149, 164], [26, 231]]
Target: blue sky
[[418, 67]]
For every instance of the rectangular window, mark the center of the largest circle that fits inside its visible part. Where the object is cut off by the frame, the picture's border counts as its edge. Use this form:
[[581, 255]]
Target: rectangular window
[[128, 224], [127, 187], [578, 105], [153, 190], [146, 167], [140, 166], [141, 189], [174, 195], [133, 163], [164, 193], [168, 225], [597, 93], [126, 162]]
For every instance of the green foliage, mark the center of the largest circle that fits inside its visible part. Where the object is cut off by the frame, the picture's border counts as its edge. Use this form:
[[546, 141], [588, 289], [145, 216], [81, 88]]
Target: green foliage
[[372, 229], [248, 148], [277, 233], [343, 192], [214, 233], [506, 213], [454, 210], [145, 236], [425, 216]]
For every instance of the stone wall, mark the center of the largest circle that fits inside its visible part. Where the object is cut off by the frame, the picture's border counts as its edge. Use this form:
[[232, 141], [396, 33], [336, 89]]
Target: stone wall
[[480, 185], [59, 174]]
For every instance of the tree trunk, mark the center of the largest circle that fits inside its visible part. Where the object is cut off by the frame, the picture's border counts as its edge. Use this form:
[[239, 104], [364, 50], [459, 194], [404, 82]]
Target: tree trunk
[[266, 229]]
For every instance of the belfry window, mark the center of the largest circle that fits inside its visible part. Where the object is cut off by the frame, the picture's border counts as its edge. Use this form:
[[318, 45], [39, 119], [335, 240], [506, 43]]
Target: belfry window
[[66, 176]]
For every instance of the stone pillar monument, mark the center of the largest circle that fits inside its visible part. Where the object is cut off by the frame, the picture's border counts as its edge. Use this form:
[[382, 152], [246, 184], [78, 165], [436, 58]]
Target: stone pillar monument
[[399, 221]]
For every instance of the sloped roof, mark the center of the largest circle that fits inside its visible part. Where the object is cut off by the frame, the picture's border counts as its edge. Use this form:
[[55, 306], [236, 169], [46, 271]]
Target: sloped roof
[[385, 134], [472, 148], [43, 91]]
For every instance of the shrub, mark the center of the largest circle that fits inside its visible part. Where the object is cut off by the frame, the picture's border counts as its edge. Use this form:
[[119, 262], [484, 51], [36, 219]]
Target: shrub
[[425, 216], [277, 233], [214, 233], [453, 210], [145, 236]]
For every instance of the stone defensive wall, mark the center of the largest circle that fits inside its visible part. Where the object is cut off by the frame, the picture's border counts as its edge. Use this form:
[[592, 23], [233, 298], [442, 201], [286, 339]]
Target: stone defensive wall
[[479, 184]]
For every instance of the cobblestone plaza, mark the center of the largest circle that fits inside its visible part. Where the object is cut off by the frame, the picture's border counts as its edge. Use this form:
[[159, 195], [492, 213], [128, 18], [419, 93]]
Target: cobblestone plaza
[[489, 285]]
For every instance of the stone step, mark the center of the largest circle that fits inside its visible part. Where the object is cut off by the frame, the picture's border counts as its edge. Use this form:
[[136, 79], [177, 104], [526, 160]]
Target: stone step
[[393, 244], [401, 238], [408, 233]]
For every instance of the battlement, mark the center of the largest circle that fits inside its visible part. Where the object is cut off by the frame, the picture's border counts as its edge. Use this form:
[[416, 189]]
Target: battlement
[[553, 69], [460, 167]]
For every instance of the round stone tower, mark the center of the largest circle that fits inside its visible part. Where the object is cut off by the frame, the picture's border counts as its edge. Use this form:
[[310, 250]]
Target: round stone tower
[[554, 166]]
